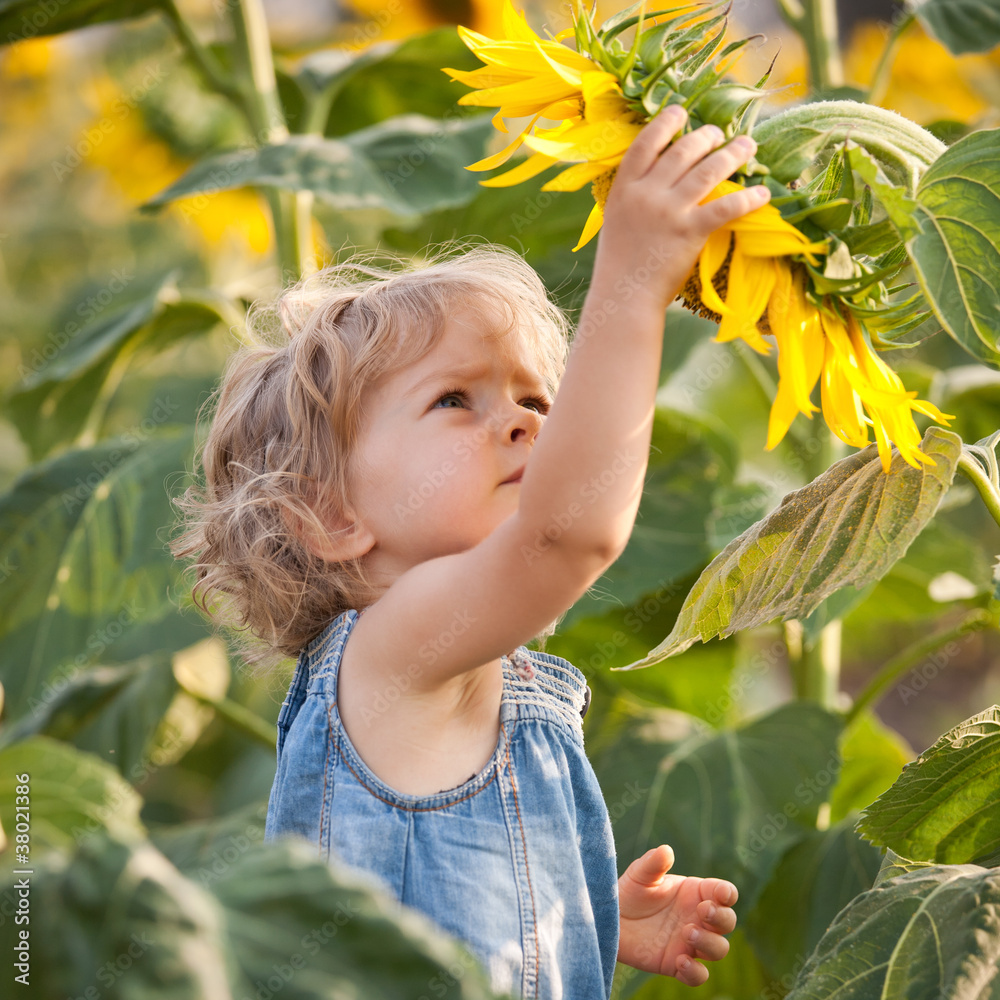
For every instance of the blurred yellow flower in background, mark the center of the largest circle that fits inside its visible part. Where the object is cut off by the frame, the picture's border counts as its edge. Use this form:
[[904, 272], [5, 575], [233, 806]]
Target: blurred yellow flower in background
[[388, 20], [140, 164], [927, 81]]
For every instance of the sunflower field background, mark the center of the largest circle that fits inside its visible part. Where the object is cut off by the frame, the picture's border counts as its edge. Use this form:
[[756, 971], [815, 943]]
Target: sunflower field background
[[164, 163]]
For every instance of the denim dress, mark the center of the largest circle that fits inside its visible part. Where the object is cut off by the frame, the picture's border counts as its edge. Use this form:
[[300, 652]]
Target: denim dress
[[518, 861]]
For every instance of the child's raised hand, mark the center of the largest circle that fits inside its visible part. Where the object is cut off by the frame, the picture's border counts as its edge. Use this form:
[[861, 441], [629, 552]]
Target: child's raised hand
[[653, 214], [669, 921]]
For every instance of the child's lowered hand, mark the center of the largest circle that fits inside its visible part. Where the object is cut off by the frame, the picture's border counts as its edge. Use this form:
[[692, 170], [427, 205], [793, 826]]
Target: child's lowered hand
[[668, 921]]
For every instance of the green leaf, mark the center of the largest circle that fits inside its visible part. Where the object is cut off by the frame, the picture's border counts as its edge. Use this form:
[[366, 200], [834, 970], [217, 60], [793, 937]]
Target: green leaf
[[690, 459], [894, 865], [110, 711], [817, 878], [848, 526], [88, 576], [407, 165], [790, 141], [873, 756], [57, 391], [960, 25], [748, 794], [928, 934], [72, 796], [945, 806], [279, 921], [21, 19], [409, 80], [954, 242]]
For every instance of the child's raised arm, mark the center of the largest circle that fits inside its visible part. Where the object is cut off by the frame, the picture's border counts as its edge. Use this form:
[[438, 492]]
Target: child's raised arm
[[582, 484]]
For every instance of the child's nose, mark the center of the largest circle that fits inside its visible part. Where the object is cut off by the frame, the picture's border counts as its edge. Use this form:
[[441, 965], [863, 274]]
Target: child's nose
[[523, 423]]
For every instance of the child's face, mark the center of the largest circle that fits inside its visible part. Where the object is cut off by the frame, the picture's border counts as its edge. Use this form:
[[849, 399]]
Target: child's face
[[443, 444]]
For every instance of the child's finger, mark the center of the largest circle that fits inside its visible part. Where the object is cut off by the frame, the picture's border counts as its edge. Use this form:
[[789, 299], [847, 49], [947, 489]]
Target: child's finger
[[721, 211], [687, 151], [690, 972], [651, 867], [710, 947], [718, 890], [719, 918], [706, 175], [650, 142]]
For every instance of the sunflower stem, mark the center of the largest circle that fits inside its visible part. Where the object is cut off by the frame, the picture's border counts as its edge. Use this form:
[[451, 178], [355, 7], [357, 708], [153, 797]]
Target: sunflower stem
[[289, 209], [913, 655], [817, 672], [973, 471], [816, 665], [816, 23], [883, 71], [202, 57]]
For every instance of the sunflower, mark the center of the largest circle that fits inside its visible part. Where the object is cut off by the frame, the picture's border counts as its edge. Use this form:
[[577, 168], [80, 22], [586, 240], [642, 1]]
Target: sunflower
[[751, 276], [524, 75], [595, 143], [749, 263]]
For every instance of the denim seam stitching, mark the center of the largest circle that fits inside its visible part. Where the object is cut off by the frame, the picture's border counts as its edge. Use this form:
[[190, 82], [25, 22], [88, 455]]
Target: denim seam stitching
[[527, 870], [396, 805], [326, 773]]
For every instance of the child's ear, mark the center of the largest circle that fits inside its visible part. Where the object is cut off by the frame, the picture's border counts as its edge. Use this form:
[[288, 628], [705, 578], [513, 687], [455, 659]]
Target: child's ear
[[334, 536]]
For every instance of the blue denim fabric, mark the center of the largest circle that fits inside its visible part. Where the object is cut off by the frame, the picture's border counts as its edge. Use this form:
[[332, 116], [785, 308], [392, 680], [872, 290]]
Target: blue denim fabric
[[519, 861]]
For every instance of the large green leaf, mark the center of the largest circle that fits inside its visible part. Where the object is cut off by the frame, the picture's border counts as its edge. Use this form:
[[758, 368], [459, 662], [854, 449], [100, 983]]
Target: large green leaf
[[848, 526], [748, 794], [71, 795], [29, 18], [690, 460], [88, 577], [873, 755], [945, 806], [407, 165], [59, 386], [408, 80], [923, 935], [813, 882], [961, 25], [954, 241], [111, 711], [278, 922]]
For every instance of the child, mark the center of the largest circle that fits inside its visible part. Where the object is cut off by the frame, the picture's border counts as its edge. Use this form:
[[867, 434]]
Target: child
[[394, 496]]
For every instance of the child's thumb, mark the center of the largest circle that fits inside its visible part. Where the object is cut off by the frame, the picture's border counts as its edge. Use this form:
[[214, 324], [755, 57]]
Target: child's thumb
[[653, 865]]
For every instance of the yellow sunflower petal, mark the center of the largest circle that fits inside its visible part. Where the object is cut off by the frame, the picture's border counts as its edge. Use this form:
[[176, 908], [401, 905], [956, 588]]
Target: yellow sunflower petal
[[574, 177], [709, 261], [594, 222], [523, 171], [750, 283], [498, 159]]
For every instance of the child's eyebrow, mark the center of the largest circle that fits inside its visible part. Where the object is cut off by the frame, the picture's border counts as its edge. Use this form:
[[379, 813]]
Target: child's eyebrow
[[470, 373]]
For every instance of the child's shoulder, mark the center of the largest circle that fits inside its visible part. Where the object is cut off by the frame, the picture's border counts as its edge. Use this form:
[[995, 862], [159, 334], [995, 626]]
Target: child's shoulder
[[559, 679]]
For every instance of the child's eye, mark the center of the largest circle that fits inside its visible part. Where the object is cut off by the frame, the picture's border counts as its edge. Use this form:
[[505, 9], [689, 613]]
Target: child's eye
[[448, 398], [538, 404]]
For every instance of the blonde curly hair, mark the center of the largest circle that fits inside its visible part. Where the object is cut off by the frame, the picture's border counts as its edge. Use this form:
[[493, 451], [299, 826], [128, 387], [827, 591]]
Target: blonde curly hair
[[286, 420]]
